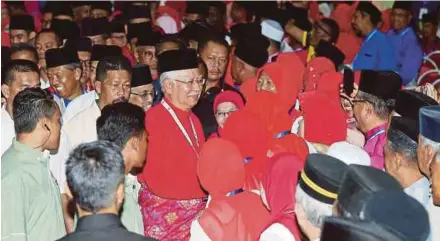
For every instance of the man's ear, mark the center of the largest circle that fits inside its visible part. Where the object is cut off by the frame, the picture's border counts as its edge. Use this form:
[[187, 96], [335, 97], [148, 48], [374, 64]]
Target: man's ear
[[5, 91], [430, 156], [98, 87], [77, 72], [398, 161], [120, 194], [134, 142], [108, 41], [167, 86], [32, 35]]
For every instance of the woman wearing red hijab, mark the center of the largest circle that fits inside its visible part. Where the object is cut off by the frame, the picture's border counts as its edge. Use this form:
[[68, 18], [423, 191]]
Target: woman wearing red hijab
[[278, 194], [231, 212], [225, 104], [249, 134], [274, 113]]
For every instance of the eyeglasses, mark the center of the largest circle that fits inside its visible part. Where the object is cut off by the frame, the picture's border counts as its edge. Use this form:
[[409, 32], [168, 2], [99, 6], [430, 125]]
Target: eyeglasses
[[224, 113], [198, 81], [144, 95]]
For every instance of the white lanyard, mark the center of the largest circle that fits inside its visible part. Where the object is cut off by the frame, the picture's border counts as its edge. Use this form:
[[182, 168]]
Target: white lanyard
[[182, 129]]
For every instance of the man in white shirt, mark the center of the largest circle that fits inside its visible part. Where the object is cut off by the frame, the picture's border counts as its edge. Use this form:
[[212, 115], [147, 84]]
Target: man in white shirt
[[401, 158], [113, 83]]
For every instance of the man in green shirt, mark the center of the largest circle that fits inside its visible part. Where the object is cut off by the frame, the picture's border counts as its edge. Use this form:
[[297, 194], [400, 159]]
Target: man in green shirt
[[31, 205], [123, 124]]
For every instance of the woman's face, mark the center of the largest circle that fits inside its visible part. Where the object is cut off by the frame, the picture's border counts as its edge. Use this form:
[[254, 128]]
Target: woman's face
[[266, 83], [223, 111]]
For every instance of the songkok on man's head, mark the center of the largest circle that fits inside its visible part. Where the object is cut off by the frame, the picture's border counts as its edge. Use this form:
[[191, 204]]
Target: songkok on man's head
[[196, 31], [61, 56], [242, 31], [272, 30], [429, 120], [398, 212], [429, 18], [301, 17], [65, 29], [22, 22], [409, 102], [101, 51], [136, 11], [148, 38], [134, 30], [197, 7], [103, 5], [94, 26], [321, 177], [349, 153], [61, 9], [403, 126], [180, 59], [117, 27], [358, 185], [140, 75], [340, 228], [253, 51], [328, 50], [81, 44], [370, 9], [404, 5], [382, 84]]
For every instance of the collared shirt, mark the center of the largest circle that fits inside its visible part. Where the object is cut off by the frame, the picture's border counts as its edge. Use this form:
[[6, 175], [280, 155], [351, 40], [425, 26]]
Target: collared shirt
[[374, 144], [57, 161], [31, 202], [434, 219], [44, 84], [102, 227], [131, 215], [82, 127], [8, 131], [408, 52], [420, 191], [376, 53], [78, 105]]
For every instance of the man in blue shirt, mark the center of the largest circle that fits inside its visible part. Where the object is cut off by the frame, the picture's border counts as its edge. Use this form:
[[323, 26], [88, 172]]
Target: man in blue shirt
[[376, 52], [408, 51]]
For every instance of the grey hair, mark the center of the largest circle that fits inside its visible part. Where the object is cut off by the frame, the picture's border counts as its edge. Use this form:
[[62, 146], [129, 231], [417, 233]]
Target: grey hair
[[164, 76], [315, 210], [381, 108], [402, 144], [434, 145]]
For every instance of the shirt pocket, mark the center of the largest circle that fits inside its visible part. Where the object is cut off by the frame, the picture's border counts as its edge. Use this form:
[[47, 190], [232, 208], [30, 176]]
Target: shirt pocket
[[368, 55]]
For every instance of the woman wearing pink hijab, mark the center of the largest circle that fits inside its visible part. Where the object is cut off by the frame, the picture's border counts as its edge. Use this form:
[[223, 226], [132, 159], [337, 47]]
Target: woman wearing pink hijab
[[278, 194]]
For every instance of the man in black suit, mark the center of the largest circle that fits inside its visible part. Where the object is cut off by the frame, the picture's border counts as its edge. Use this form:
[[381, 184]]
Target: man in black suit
[[95, 176]]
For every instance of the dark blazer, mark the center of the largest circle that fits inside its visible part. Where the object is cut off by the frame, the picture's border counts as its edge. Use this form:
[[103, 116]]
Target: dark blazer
[[105, 227]]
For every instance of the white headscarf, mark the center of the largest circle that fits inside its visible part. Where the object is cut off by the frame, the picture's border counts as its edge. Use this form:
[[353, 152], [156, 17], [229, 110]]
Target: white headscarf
[[349, 153]]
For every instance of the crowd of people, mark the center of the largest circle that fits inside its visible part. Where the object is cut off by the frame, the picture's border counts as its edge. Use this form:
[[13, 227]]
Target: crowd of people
[[221, 120]]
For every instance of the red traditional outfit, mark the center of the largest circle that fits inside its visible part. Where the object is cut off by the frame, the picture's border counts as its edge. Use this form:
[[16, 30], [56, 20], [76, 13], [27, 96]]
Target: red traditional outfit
[[170, 195], [314, 69]]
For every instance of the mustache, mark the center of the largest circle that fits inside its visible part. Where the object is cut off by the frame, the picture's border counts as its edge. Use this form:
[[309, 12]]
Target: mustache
[[118, 100]]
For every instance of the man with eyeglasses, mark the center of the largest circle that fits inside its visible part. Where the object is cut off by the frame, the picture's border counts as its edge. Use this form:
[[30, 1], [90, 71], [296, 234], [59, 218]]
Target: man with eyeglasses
[[142, 90], [83, 46], [372, 104], [169, 178], [145, 52]]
